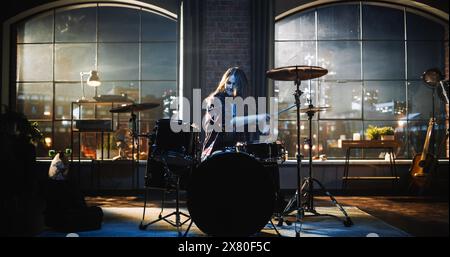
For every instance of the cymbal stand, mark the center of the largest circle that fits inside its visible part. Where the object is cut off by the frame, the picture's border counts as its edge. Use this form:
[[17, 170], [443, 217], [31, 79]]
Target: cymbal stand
[[296, 198], [300, 211], [308, 184], [307, 188], [170, 179]]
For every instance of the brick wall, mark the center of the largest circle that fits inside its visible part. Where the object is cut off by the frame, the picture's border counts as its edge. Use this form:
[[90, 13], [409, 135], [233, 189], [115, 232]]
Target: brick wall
[[227, 36]]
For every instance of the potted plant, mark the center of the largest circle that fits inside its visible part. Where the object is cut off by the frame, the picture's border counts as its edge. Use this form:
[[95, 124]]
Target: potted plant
[[373, 133], [387, 133]]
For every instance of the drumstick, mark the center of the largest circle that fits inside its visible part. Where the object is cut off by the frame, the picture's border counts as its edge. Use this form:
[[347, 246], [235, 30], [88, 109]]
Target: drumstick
[[246, 120]]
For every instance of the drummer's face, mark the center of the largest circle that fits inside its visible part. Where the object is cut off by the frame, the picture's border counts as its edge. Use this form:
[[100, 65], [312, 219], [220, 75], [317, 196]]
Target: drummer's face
[[230, 86]]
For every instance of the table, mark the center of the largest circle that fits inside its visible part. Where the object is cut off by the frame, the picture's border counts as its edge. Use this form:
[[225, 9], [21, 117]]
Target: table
[[102, 125], [389, 145]]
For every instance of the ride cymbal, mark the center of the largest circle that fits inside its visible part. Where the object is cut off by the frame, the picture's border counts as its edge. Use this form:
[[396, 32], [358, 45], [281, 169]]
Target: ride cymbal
[[296, 73]]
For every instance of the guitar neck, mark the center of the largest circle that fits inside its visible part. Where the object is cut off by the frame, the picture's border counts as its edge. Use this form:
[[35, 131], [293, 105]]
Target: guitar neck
[[426, 145]]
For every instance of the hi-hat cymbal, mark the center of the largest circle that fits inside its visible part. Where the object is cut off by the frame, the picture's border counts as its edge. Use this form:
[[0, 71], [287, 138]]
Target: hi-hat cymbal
[[296, 73], [314, 109], [134, 108]]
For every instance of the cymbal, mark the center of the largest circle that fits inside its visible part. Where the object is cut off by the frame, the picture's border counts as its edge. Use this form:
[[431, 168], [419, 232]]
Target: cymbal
[[314, 109], [295, 73], [134, 108], [305, 110]]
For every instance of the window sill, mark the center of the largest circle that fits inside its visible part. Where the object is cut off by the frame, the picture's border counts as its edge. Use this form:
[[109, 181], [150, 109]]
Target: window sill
[[356, 162], [293, 162]]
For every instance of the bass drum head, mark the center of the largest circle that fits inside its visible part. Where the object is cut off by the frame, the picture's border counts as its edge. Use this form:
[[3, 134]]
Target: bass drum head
[[230, 194]]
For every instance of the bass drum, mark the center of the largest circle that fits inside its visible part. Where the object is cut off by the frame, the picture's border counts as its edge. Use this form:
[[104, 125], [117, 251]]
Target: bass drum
[[231, 194]]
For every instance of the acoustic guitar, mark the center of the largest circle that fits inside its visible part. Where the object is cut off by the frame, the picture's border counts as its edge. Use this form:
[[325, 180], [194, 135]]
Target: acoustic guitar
[[424, 162]]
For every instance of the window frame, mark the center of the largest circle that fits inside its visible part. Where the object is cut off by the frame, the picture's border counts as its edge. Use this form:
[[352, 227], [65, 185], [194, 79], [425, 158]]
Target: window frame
[[13, 80], [313, 8]]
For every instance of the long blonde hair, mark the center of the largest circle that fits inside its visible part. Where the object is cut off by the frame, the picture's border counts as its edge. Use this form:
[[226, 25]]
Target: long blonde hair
[[241, 82]]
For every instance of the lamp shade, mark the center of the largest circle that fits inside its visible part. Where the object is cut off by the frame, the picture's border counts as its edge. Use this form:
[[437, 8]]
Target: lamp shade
[[432, 77], [93, 80]]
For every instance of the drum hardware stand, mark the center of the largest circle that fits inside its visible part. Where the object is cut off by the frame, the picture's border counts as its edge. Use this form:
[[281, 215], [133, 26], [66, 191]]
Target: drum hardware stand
[[307, 188], [297, 73], [177, 213], [274, 227], [300, 212], [134, 138]]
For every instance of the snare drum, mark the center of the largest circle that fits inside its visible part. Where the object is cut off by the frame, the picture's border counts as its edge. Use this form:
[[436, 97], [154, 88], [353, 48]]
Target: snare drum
[[264, 152]]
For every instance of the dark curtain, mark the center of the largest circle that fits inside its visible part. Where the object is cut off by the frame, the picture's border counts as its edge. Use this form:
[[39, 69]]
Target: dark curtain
[[191, 14], [263, 26]]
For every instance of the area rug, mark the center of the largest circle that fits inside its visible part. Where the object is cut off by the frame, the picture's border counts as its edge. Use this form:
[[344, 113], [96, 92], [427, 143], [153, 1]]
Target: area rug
[[124, 222]]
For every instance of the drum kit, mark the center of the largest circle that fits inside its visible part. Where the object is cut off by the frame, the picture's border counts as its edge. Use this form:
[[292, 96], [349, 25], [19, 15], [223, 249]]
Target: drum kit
[[234, 192]]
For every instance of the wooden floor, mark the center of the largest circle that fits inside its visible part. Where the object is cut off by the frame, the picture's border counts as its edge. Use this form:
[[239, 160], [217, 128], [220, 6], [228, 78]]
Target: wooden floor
[[418, 216]]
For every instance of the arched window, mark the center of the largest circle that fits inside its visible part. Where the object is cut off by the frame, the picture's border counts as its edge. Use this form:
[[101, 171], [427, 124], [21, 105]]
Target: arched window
[[375, 54], [133, 49]]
